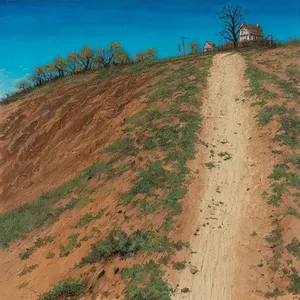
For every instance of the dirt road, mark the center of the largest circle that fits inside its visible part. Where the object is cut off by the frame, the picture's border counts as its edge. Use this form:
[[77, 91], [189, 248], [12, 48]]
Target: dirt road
[[224, 188]]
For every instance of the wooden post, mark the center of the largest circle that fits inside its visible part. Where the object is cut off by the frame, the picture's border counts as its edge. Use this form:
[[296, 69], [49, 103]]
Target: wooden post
[[183, 47]]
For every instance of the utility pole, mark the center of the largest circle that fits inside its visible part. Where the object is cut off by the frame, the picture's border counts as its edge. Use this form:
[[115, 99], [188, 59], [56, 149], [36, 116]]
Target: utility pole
[[183, 47]]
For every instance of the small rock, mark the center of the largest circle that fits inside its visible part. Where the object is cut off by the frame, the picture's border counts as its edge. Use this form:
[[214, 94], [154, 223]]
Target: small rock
[[185, 290], [193, 270], [106, 294]]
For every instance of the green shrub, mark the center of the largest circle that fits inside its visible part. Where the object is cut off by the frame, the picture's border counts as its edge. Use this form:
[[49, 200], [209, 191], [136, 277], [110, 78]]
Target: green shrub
[[65, 250], [28, 269], [294, 248], [178, 265], [266, 114], [125, 146], [27, 253], [19, 222], [275, 294], [146, 283], [65, 288], [93, 170], [50, 255], [295, 282], [290, 132], [117, 242]]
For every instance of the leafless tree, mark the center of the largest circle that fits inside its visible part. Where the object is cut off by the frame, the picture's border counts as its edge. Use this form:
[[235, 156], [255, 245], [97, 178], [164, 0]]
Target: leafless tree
[[231, 18]]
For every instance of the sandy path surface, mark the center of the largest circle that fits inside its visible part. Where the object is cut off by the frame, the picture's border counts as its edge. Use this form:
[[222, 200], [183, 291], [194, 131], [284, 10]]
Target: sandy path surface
[[223, 191]]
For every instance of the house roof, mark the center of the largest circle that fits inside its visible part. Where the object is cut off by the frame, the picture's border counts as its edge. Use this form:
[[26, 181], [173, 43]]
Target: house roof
[[212, 44], [253, 29]]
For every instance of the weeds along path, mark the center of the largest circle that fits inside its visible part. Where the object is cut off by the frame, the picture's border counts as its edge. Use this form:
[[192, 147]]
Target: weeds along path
[[224, 187]]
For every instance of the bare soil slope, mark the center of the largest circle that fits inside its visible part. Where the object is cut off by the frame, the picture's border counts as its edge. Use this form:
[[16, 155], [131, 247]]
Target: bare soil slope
[[94, 179], [55, 132]]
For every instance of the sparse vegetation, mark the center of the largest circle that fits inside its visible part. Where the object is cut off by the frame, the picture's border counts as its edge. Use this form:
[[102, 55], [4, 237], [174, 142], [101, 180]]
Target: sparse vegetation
[[19, 222], [284, 180], [64, 289], [295, 282], [276, 293], [294, 248], [225, 155], [65, 250], [88, 217], [40, 242], [29, 269], [145, 282], [119, 243], [210, 165], [178, 265], [23, 285], [160, 183], [50, 255]]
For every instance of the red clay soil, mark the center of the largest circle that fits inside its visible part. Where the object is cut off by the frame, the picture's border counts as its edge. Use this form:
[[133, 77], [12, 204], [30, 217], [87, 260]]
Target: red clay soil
[[62, 132], [52, 134], [48, 137], [289, 224]]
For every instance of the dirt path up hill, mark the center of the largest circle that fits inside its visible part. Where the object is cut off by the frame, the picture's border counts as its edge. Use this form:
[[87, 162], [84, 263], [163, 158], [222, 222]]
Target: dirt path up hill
[[229, 192]]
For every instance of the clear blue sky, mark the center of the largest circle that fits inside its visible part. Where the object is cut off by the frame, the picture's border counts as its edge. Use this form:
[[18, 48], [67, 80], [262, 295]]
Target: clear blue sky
[[33, 32]]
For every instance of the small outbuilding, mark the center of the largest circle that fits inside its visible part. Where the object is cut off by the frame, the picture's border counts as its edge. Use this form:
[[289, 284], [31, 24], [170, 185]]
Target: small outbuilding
[[250, 32], [209, 47]]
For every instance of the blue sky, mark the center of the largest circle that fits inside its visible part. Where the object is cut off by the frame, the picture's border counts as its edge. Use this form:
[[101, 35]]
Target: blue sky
[[33, 32]]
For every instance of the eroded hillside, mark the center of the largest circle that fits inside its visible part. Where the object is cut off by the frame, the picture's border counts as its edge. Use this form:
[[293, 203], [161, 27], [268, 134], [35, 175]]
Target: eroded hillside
[[93, 177], [157, 180]]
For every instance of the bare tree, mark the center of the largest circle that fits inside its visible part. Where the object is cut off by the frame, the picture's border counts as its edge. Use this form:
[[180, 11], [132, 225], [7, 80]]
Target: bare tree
[[231, 18]]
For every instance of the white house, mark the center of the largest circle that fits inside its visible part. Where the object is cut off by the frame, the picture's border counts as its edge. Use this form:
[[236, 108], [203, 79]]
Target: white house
[[250, 32], [209, 46]]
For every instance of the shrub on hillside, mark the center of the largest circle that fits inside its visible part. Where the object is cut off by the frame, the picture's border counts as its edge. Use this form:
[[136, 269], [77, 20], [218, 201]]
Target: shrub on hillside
[[65, 288]]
